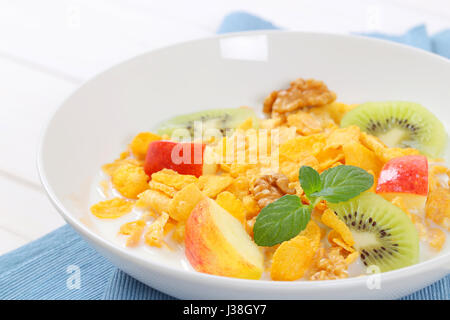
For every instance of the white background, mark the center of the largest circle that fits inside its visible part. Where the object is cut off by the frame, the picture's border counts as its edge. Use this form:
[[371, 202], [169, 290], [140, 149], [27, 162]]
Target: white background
[[48, 47]]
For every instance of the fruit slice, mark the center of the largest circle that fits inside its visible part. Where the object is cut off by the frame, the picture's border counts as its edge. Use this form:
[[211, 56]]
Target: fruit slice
[[405, 177], [400, 124], [216, 243], [221, 119], [383, 233], [182, 157]]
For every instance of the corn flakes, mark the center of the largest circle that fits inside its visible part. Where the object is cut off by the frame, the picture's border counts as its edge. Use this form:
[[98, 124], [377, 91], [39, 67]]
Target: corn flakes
[[292, 258], [382, 151], [155, 200], [436, 172], [332, 235], [437, 207], [290, 168], [134, 230], [391, 153], [329, 158], [341, 136], [399, 202], [251, 206], [294, 149], [111, 209], [436, 238], [337, 110], [130, 180], [237, 169], [321, 205], [184, 202], [109, 168], [173, 179], [284, 134], [304, 123], [438, 169], [170, 225], [155, 232], [351, 258], [330, 219], [178, 234], [249, 226], [232, 204], [358, 155], [158, 186], [420, 225], [323, 115], [139, 144], [312, 232], [211, 185], [340, 243], [269, 123], [240, 187], [303, 130], [298, 188], [246, 125]]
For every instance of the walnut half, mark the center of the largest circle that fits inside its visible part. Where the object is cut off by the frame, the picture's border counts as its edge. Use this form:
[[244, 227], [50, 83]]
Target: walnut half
[[269, 188], [302, 93]]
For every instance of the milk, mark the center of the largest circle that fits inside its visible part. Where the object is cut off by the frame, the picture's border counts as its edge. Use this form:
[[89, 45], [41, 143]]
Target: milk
[[173, 255]]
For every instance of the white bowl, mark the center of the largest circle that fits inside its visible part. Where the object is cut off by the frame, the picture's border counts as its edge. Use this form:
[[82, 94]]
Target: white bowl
[[98, 120]]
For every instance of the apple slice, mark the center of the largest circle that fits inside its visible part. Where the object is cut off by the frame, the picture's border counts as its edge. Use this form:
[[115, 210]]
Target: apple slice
[[405, 177], [216, 243], [182, 157]]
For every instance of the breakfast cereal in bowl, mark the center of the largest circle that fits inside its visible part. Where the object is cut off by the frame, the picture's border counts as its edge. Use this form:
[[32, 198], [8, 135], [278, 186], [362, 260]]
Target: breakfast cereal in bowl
[[310, 189]]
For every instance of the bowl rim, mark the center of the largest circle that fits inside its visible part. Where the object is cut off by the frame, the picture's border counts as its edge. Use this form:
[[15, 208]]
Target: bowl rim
[[402, 273]]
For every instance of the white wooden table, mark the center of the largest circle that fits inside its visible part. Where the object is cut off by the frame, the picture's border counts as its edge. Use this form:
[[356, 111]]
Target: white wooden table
[[48, 47]]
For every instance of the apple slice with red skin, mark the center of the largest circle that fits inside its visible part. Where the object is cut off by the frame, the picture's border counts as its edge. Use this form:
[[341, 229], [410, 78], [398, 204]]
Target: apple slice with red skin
[[217, 243], [405, 177], [182, 157]]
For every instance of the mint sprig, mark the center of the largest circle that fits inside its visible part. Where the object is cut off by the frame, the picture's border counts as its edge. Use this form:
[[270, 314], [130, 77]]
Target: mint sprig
[[281, 220], [286, 217], [310, 182], [343, 183]]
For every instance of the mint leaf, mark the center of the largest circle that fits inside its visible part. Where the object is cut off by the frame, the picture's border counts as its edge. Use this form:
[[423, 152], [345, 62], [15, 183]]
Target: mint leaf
[[281, 220], [343, 183], [309, 181], [284, 218]]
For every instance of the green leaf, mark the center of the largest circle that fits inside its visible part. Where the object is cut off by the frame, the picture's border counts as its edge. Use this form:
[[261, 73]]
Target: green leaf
[[343, 183], [280, 221], [309, 181]]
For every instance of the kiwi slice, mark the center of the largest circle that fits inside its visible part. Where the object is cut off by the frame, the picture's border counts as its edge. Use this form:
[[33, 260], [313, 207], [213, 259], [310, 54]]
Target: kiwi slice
[[384, 235], [221, 119], [400, 124]]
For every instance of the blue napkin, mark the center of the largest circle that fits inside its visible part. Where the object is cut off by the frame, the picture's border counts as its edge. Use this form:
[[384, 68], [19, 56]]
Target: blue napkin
[[416, 37], [61, 265]]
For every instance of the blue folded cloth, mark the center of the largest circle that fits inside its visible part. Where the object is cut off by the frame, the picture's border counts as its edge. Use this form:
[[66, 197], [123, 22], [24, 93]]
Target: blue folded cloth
[[416, 37], [61, 265]]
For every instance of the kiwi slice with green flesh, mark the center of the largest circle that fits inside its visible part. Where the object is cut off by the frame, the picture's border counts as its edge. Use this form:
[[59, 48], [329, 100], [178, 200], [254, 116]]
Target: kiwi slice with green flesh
[[384, 235], [400, 124], [221, 119]]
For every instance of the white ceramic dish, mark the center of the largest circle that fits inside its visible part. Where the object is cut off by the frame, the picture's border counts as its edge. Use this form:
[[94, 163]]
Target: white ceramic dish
[[95, 123]]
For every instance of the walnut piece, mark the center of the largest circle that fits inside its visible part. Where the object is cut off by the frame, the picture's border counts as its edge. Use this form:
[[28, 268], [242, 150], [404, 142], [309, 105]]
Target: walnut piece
[[269, 188], [329, 265], [302, 93]]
